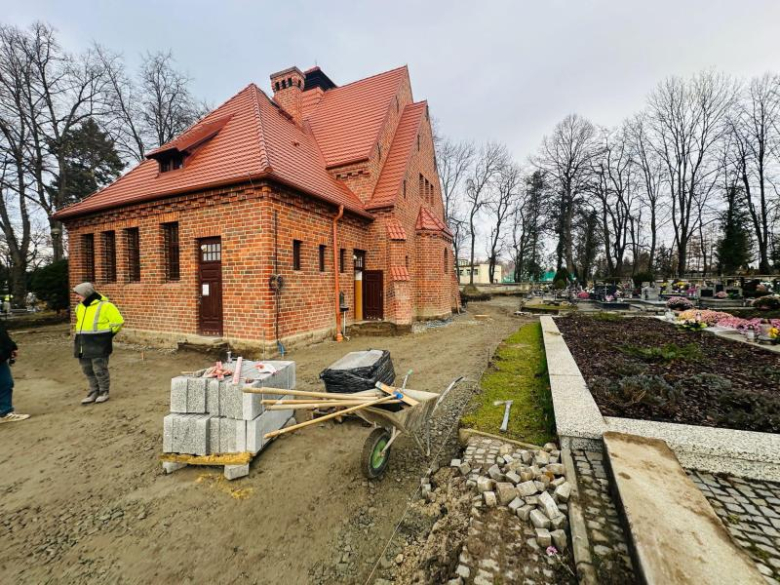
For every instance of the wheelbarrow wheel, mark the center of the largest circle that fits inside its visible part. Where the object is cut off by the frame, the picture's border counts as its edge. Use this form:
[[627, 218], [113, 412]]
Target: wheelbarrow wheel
[[372, 461]]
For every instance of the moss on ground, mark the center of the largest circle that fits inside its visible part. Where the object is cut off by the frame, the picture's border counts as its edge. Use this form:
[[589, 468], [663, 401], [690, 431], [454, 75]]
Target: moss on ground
[[517, 372]]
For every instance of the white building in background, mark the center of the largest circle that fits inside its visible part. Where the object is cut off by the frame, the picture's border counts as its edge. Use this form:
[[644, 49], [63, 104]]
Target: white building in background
[[481, 272]]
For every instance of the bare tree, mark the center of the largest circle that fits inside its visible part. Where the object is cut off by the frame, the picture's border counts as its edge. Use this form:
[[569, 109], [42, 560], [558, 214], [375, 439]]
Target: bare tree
[[453, 161], [565, 159], [686, 119], [754, 132], [482, 173], [47, 92], [507, 185], [652, 178], [613, 185], [151, 109]]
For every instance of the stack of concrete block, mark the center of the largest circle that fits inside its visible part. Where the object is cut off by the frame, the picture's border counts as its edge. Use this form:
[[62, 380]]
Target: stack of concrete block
[[211, 416]]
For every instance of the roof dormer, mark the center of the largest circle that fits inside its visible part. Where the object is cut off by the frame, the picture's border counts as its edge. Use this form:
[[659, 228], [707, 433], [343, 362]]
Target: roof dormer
[[172, 155]]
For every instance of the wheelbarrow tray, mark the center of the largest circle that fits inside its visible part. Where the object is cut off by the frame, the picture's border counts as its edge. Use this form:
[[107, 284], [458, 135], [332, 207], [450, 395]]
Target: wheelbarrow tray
[[409, 418]]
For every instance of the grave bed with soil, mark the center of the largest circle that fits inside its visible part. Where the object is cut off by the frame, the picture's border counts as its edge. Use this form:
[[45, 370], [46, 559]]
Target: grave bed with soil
[[642, 368]]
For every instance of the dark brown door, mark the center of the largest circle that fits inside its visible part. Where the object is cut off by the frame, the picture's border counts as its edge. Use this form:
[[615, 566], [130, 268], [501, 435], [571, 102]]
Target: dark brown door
[[373, 295], [210, 290]]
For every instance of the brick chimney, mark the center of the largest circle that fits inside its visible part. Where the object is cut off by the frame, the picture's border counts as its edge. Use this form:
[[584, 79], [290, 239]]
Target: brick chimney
[[288, 87]]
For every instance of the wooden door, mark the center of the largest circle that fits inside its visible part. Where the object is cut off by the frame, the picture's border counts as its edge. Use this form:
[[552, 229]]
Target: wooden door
[[373, 295], [210, 289]]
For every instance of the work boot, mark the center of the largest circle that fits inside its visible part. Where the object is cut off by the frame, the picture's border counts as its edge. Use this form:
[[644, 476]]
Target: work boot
[[103, 397], [13, 417], [91, 397]]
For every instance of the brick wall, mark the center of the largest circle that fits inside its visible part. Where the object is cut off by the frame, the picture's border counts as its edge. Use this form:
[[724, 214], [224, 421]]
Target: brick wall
[[244, 219]]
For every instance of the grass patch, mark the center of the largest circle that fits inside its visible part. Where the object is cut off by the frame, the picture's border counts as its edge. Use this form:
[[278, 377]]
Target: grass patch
[[609, 317], [665, 353], [518, 372]]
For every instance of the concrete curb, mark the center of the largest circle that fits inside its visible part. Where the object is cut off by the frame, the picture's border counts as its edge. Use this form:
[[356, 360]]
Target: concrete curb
[[583, 562], [578, 420]]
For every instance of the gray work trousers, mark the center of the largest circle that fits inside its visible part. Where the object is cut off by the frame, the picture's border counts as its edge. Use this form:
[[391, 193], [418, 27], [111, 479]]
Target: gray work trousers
[[96, 371]]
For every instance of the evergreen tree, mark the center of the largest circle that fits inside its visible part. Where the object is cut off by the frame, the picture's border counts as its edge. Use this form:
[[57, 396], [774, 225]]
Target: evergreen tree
[[90, 162], [734, 248]]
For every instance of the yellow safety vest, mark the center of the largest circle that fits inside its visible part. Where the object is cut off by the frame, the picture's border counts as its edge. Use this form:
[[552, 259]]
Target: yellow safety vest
[[100, 316]]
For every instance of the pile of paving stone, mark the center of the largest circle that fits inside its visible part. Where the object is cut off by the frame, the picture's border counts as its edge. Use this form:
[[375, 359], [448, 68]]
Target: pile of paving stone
[[212, 416], [530, 483]]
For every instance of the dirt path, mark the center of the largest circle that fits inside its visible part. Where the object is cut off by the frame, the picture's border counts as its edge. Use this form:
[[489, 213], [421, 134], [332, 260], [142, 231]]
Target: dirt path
[[83, 498]]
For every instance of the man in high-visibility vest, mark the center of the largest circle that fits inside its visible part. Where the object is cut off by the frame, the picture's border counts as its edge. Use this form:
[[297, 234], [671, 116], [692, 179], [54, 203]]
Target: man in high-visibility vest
[[97, 322]]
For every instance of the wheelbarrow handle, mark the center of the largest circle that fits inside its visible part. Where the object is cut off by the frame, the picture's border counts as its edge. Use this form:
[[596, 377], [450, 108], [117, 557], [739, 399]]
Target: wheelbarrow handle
[[444, 394]]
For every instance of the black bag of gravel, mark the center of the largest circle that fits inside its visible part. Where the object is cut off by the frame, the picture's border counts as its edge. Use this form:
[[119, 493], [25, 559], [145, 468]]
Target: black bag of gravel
[[358, 371]]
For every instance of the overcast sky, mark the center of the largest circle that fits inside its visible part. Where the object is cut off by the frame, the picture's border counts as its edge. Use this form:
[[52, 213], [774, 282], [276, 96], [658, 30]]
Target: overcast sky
[[506, 71]]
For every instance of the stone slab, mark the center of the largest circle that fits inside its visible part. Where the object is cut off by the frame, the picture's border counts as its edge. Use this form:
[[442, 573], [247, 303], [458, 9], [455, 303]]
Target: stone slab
[[676, 535], [740, 453]]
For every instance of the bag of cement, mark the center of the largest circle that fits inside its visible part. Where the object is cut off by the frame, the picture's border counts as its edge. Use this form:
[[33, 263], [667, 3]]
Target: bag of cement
[[358, 371]]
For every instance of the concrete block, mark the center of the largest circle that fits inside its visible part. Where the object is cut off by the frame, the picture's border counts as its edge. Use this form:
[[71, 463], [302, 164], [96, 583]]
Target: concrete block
[[283, 378], [179, 394], [171, 466], [270, 420], [168, 424], [196, 396], [212, 397], [231, 400], [251, 406], [188, 433], [236, 471]]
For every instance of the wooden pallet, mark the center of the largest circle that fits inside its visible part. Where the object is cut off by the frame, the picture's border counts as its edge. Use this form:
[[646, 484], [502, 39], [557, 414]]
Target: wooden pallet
[[236, 465]]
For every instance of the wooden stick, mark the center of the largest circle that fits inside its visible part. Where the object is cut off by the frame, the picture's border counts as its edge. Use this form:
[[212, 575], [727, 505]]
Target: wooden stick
[[313, 405], [283, 392], [337, 398], [328, 416], [390, 390]]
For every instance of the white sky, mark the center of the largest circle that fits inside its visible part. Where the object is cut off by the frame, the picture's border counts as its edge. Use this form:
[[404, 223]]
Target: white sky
[[506, 71]]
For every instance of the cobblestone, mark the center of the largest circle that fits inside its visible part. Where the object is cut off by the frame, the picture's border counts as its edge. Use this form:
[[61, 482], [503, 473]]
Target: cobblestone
[[606, 536], [502, 546], [749, 509]]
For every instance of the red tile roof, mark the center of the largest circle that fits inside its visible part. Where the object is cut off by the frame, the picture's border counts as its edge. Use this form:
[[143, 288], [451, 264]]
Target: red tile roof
[[426, 221], [256, 140], [395, 231], [390, 180], [399, 273], [347, 121]]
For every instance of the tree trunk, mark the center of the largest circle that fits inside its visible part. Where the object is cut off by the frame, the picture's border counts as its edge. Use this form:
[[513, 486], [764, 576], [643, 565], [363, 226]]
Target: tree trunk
[[57, 249]]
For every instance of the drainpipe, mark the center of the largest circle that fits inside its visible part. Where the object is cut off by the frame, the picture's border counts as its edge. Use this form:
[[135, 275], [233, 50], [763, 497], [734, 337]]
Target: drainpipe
[[336, 272]]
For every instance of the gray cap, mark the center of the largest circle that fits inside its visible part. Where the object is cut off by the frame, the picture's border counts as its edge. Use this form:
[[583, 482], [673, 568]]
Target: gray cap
[[84, 289]]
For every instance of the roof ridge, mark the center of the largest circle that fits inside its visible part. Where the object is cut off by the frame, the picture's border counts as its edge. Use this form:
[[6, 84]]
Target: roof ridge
[[407, 108], [264, 151], [371, 77]]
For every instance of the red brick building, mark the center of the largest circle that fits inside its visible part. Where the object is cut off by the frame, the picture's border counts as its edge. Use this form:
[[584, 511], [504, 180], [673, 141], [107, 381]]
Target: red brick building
[[335, 189]]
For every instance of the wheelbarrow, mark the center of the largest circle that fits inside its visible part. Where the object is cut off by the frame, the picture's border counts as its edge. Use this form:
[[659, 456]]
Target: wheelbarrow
[[411, 413]]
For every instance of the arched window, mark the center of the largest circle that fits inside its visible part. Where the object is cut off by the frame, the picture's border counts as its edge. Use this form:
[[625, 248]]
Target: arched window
[[445, 261], [277, 85]]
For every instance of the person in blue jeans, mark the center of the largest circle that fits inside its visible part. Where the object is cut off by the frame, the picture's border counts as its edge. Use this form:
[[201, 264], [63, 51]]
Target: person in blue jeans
[[8, 353]]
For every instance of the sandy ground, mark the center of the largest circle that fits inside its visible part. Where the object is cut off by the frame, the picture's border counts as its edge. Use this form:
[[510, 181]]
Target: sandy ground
[[83, 498]]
